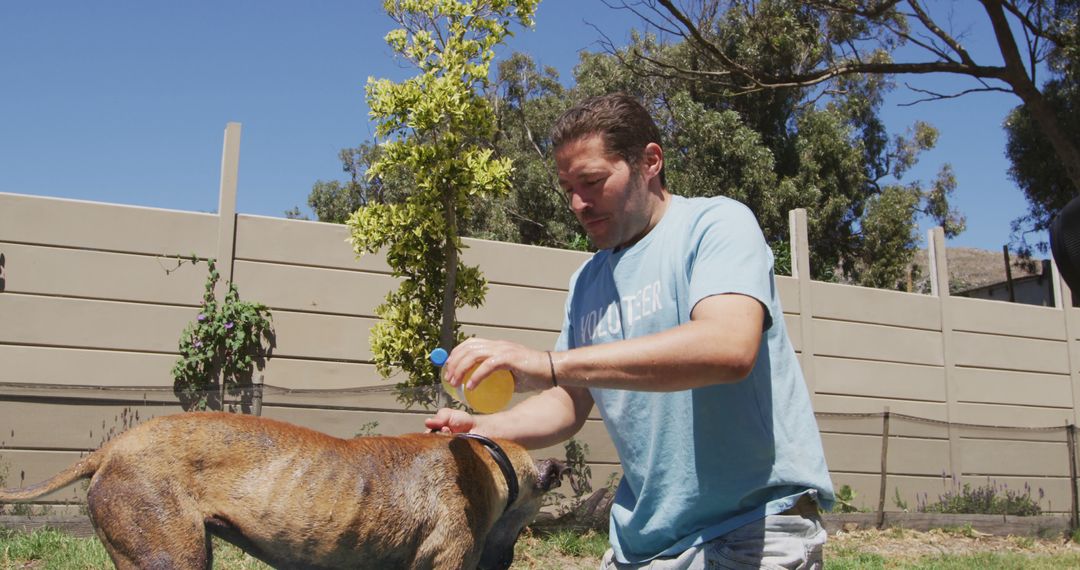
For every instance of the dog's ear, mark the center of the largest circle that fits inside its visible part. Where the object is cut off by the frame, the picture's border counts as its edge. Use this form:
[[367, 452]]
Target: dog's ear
[[550, 474]]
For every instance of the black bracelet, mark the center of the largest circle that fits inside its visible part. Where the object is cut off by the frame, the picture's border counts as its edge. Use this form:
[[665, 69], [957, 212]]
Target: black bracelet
[[554, 381]]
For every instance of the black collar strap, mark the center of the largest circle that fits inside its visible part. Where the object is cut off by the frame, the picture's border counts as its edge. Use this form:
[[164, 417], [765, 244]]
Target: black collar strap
[[505, 466]]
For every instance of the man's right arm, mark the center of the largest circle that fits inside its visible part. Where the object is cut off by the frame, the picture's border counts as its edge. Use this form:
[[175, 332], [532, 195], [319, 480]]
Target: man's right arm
[[543, 420]]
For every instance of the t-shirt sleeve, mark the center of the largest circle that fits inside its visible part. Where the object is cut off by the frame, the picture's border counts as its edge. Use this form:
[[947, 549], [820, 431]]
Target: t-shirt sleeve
[[729, 255], [567, 332], [563, 342]]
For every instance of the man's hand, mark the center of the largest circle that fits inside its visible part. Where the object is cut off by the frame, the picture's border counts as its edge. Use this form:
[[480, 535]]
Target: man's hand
[[542, 420], [448, 420], [531, 369]]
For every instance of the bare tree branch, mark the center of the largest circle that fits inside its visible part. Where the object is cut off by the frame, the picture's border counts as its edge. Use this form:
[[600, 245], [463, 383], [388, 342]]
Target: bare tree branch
[[1037, 28], [671, 26], [704, 43], [757, 80], [934, 96], [836, 70], [1024, 87], [887, 25], [928, 46], [924, 18]]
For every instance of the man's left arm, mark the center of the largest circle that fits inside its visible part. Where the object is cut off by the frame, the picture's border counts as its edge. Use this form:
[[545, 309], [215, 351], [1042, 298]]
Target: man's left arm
[[718, 345], [731, 277]]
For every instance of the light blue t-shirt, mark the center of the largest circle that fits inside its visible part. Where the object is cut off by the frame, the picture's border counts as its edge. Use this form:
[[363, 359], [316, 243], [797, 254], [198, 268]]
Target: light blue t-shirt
[[697, 463]]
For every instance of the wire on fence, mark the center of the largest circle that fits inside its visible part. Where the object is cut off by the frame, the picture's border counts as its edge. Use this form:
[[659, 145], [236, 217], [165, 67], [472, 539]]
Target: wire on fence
[[932, 421], [271, 390]]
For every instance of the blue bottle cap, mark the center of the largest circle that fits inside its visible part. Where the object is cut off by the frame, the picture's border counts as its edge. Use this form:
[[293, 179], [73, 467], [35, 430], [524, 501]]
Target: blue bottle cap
[[438, 356]]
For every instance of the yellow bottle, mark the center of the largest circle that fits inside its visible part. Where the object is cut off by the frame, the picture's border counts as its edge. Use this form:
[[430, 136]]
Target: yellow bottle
[[492, 395]]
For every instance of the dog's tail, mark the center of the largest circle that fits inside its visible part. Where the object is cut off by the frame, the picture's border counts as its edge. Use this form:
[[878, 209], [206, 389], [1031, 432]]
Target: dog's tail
[[85, 467]]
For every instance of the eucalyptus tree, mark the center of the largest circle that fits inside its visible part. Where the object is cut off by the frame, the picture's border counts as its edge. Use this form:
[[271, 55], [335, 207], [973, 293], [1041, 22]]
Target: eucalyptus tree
[[844, 38], [1035, 167], [528, 101], [334, 201], [796, 146]]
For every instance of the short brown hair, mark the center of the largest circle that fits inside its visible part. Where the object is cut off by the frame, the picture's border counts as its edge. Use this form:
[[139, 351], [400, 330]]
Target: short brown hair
[[624, 124]]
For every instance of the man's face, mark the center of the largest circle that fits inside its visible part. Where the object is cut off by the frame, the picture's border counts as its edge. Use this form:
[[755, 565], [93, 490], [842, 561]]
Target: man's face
[[608, 196]]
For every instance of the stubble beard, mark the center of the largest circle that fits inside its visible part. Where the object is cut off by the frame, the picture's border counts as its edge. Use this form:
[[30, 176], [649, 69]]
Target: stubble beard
[[619, 223]]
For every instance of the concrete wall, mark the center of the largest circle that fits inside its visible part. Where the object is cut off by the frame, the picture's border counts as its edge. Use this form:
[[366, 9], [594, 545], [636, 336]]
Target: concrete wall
[[92, 302]]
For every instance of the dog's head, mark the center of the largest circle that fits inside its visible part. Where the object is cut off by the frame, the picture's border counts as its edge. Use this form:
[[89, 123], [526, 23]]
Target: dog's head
[[544, 476]]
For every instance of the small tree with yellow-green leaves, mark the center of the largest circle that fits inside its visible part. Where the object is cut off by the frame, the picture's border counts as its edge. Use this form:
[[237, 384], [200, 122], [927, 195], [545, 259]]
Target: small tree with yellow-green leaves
[[437, 129]]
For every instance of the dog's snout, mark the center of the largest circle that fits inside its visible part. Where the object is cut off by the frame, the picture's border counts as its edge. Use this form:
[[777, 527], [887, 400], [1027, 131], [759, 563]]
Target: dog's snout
[[551, 473]]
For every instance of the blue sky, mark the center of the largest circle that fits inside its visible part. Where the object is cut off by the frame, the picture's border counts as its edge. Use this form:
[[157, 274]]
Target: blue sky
[[125, 101]]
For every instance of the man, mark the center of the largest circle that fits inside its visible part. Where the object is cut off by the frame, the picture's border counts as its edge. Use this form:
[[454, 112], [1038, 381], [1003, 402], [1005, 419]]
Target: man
[[674, 330]]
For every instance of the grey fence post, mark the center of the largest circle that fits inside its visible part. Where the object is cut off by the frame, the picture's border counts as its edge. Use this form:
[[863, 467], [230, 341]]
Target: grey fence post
[[939, 282], [1074, 513], [230, 168], [257, 397], [884, 467], [800, 270]]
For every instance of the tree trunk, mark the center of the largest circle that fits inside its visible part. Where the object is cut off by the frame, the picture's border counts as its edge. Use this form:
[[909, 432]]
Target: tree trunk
[[1017, 78], [446, 330]]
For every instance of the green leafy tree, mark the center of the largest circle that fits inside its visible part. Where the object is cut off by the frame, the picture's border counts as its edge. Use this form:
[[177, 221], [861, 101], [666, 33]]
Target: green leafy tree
[[294, 213], [773, 149], [437, 127], [1035, 167], [528, 101], [833, 39], [780, 149], [334, 201]]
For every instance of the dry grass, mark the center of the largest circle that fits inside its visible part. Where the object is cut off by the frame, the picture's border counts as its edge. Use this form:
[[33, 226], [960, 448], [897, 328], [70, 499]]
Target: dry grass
[[951, 548], [960, 549], [48, 549]]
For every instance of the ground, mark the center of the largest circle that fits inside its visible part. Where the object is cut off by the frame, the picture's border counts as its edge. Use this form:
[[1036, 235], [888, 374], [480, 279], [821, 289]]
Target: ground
[[900, 548], [899, 544]]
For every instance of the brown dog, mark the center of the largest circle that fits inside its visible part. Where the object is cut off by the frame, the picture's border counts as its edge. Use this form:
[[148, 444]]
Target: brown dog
[[297, 498]]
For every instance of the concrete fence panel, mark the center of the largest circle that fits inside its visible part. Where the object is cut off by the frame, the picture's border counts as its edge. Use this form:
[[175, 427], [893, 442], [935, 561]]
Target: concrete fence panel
[[94, 298]]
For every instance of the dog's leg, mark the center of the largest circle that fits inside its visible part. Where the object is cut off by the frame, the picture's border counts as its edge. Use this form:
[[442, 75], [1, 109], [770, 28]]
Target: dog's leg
[[146, 524], [446, 549]]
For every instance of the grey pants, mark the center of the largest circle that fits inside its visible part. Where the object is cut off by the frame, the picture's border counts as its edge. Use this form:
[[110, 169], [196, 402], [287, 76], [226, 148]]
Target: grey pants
[[775, 542]]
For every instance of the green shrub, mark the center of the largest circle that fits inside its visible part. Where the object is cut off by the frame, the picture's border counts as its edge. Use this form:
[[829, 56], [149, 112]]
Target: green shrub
[[224, 340], [988, 499], [845, 500], [900, 503], [579, 474], [368, 429]]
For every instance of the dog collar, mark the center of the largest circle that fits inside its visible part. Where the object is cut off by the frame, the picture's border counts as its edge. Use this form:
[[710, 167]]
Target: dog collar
[[503, 461]]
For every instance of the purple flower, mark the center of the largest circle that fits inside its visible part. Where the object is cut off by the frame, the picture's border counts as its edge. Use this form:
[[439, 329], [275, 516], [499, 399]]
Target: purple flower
[[198, 344], [201, 317], [228, 326]]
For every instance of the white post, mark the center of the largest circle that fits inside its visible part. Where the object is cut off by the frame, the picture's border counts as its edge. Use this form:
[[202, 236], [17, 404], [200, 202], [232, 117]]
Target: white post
[[939, 287], [800, 269], [230, 167]]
